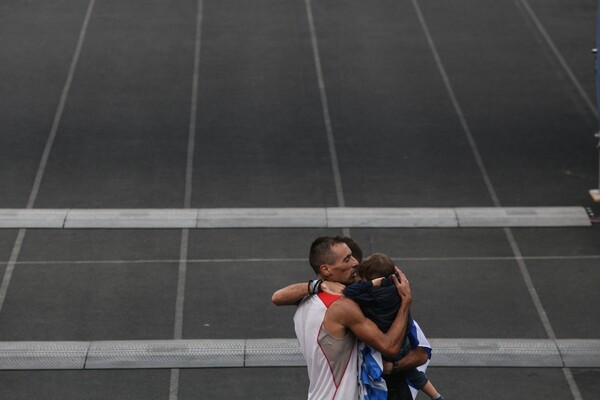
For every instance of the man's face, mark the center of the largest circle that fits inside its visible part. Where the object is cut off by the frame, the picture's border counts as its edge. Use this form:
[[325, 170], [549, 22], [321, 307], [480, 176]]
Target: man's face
[[342, 270]]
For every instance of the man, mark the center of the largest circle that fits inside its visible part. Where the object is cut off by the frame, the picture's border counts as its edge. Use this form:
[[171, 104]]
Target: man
[[327, 325]]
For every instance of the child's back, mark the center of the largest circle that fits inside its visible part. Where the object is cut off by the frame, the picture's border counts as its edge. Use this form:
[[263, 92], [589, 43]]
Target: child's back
[[379, 303]]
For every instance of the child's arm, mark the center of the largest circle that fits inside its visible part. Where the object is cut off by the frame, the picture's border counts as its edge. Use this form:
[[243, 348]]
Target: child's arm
[[357, 289]]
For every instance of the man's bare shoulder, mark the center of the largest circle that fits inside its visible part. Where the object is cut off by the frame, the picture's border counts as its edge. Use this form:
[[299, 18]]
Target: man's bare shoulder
[[341, 315], [345, 310]]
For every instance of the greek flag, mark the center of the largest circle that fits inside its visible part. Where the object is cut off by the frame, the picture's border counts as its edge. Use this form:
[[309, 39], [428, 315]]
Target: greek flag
[[372, 385], [370, 366], [417, 339]]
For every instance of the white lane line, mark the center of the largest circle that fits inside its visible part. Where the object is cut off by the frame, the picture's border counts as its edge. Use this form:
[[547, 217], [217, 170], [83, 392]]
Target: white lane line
[[325, 107], [575, 392], [61, 107], [457, 107], [181, 278], [10, 267], [174, 383], [187, 203], [529, 283], [561, 60], [492, 192], [8, 272], [183, 253], [591, 104], [572, 384], [193, 108], [296, 260]]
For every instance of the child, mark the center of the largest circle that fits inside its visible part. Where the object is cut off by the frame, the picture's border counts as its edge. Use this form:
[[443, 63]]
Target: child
[[377, 296]]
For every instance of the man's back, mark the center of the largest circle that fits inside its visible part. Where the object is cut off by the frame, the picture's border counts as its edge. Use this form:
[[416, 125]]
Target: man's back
[[331, 362]]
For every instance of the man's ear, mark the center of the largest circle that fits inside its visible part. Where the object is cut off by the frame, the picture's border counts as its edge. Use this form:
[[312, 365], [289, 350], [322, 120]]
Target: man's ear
[[324, 269]]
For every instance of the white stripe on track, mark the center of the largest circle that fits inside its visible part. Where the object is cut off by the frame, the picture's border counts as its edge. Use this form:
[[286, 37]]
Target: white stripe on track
[[491, 190], [290, 260], [8, 272], [559, 57], [189, 174], [337, 177]]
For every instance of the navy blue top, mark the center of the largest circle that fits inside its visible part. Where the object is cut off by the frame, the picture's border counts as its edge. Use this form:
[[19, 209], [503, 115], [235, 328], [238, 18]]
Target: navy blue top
[[380, 304]]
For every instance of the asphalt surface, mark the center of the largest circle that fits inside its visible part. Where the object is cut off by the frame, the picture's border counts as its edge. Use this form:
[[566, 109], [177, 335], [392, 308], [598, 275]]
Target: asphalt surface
[[294, 104]]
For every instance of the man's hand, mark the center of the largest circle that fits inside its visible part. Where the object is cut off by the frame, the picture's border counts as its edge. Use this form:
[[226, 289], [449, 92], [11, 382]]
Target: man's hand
[[413, 359], [403, 287], [293, 294]]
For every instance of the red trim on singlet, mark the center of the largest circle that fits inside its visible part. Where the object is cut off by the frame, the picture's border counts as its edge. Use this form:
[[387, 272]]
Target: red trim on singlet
[[328, 298]]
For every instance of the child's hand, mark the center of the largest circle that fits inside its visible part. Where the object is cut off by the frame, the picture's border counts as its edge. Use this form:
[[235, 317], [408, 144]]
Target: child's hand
[[377, 281]]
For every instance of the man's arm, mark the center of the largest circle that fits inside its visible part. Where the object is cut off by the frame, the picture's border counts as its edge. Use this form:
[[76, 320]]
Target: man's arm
[[413, 359], [346, 314], [292, 294]]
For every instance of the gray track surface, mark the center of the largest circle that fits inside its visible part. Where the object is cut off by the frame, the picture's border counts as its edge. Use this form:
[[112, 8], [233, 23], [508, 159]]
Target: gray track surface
[[423, 104]]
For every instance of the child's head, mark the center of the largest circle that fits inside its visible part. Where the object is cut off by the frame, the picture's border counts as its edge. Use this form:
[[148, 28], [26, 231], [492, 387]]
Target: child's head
[[377, 265]]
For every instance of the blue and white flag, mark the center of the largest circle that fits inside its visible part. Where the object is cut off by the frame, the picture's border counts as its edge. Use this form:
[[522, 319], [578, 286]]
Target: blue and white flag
[[417, 338], [370, 366], [370, 370]]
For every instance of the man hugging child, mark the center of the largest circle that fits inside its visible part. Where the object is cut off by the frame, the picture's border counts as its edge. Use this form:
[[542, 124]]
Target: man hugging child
[[377, 296]]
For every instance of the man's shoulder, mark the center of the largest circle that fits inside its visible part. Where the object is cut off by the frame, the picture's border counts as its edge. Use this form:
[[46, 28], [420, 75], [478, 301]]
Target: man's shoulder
[[344, 301], [340, 316], [344, 306]]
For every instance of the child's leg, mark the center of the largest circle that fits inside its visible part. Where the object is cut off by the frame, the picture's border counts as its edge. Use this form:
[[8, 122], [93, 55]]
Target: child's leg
[[430, 391]]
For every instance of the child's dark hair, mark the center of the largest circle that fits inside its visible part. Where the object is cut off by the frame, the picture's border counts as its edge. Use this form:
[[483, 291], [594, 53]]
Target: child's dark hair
[[377, 265]]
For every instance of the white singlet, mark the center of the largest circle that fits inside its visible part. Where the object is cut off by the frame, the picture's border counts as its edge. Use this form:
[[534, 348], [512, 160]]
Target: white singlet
[[331, 362]]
